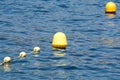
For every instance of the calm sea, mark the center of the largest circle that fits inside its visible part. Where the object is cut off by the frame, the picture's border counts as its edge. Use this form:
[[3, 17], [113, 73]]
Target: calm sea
[[93, 51]]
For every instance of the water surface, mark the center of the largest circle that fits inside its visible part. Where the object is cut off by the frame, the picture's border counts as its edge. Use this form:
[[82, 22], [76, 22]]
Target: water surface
[[93, 38]]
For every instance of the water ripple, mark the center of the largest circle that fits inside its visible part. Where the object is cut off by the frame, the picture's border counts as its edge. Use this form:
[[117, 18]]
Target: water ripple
[[93, 40]]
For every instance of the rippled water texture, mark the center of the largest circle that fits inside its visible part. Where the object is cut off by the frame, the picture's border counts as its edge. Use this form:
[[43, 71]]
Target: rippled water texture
[[93, 52]]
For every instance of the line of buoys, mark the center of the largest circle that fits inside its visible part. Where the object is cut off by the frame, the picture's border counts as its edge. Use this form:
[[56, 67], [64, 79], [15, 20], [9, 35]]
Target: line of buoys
[[110, 7], [22, 54], [59, 41]]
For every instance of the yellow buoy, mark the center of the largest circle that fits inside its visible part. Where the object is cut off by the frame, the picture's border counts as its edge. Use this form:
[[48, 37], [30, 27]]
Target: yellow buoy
[[6, 59], [110, 7], [22, 54], [36, 49], [59, 40]]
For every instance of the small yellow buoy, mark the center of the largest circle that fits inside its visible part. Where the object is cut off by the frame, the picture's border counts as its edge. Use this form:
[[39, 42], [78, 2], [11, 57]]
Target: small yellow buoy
[[6, 59], [59, 40], [36, 49], [110, 7], [22, 54]]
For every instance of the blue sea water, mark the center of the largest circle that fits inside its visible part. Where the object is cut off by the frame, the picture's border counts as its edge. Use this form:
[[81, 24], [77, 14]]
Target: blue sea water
[[93, 51]]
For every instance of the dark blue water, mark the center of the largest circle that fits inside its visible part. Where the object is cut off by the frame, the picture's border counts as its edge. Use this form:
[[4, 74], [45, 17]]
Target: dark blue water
[[93, 52]]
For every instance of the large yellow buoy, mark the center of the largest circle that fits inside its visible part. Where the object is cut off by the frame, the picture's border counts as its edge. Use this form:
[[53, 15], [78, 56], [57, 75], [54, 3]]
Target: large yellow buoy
[[110, 7], [59, 40]]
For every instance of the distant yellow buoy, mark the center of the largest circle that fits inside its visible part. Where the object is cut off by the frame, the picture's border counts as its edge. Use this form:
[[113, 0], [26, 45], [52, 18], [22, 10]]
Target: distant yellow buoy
[[59, 40], [22, 54], [110, 7], [36, 49], [6, 59]]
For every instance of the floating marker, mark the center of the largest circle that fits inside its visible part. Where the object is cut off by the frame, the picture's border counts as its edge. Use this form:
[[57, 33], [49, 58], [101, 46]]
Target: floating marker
[[110, 7], [6, 59], [22, 54], [59, 40], [36, 49]]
